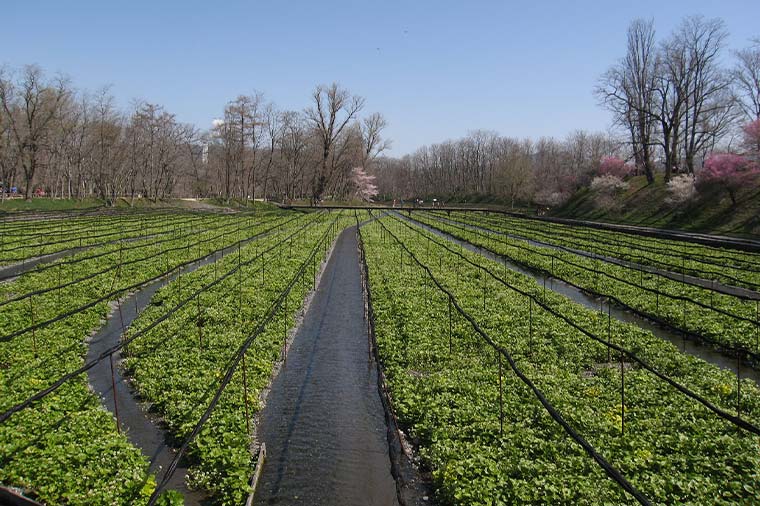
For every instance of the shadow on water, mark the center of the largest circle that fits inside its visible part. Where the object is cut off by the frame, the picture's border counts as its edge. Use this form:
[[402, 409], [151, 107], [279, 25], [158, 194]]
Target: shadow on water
[[687, 346], [324, 423]]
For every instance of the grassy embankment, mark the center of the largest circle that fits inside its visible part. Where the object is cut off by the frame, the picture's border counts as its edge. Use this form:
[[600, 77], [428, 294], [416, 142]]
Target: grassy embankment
[[645, 205]]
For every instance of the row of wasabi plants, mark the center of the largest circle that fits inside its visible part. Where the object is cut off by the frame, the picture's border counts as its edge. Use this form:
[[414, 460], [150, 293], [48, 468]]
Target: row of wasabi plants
[[177, 366], [35, 239], [65, 447], [446, 385], [724, 319], [724, 265]]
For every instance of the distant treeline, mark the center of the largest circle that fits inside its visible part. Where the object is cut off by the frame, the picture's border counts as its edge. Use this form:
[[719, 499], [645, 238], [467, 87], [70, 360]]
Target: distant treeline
[[63, 142], [674, 102]]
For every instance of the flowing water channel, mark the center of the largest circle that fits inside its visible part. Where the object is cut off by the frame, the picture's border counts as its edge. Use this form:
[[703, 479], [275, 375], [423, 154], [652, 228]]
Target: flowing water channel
[[324, 423], [142, 428]]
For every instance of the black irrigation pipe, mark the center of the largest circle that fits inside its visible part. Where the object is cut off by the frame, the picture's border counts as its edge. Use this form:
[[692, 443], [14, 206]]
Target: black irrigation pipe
[[597, 271], [582, 249], [21, 220], [124, 342], [106, 224], [732, 348], [121, 249], [611, 471], [15, 261], [53, 224], [267, 250], [621, 260], [226, 292], [718, 241], [130, 262], [568, 230], [103, 228], [141, 230], [90, 214], [115, 293], [235, 361], [47, 266], [739, 422]]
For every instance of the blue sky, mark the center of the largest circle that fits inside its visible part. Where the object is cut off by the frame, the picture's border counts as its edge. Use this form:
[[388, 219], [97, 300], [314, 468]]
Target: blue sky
[[435, 69]]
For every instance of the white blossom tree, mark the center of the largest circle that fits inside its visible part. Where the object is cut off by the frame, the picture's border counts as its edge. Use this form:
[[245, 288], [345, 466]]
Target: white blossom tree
[[364, 184]]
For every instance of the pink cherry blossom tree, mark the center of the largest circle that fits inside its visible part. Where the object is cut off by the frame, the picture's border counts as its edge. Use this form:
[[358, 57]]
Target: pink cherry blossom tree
[[728, 172], [364, 184], [614, 166]]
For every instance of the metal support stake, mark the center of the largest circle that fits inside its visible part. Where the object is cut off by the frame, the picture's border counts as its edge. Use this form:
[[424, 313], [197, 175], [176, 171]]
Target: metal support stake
[[58, 292], [115, 397], [530, 326], [501, 397], [449, 324], [121, 316], [34, 332], [245, 398], [483, 273], [738, 383], [609, 330], [657, 294], [622, 394]]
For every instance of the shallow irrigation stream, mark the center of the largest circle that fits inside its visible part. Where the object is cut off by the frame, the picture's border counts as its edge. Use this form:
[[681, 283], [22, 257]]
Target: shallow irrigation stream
[[12, 271], [324, 424], [687, 346], [142, 429]]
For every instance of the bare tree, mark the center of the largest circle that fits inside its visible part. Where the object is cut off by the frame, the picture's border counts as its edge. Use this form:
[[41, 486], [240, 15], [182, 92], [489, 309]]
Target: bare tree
[[273, 124], [8, 155], [628, 88], [373, 143], [108, 149], [294, 148], [746, 74], [334, 108], [197, 163], [31, 103], [708, 106], [514, 174], [671, 89]]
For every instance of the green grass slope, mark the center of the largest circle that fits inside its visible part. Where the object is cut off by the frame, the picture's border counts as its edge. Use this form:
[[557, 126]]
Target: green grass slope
[[644, 205]]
